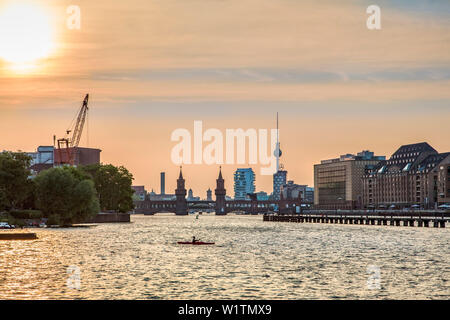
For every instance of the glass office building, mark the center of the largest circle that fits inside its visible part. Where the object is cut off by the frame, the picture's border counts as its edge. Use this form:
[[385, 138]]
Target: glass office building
[[244, 183]]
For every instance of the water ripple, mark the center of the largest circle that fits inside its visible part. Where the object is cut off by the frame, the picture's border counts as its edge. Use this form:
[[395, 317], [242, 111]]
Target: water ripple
[[251, 260]]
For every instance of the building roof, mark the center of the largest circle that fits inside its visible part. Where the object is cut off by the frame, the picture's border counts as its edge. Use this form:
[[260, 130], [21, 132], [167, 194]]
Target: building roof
[[415, 147], [430, 162], [364, 155], [411, 158], [138, 189]]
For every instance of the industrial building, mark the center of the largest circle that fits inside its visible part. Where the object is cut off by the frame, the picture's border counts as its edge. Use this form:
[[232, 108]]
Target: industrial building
[[46, 157], [79, 155], [42, 159], [66, 151], [338, 182]]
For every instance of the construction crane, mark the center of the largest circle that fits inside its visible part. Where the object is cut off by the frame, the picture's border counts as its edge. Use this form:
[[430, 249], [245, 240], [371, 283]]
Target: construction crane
[[67, 145]]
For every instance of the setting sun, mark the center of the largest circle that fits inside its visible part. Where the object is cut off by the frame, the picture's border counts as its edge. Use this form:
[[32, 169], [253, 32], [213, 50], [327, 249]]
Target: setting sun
[[25, 34]]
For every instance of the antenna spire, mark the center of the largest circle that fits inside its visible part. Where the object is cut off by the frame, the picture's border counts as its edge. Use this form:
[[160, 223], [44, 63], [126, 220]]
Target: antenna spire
[[277, 149]]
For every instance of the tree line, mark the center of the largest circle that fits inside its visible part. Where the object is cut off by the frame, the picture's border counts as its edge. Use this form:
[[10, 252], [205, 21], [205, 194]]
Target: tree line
[[65, 195]]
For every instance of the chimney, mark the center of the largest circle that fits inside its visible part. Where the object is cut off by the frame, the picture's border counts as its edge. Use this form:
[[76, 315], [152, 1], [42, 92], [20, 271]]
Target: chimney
[[163, 183]]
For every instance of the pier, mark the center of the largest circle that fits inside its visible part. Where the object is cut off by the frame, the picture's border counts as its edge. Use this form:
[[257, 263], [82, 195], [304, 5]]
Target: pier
[[18, 236], [409, 219]]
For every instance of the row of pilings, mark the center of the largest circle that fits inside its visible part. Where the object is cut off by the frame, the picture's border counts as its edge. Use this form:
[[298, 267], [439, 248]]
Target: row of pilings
[[361, 220]]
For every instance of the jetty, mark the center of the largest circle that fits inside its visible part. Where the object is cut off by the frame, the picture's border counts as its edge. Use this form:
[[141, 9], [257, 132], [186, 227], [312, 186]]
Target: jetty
[[406, 219], [17, 236]]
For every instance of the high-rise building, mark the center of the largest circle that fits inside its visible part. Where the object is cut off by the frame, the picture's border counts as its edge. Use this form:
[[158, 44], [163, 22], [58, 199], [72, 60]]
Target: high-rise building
[[244, 183], [279, 180], [338, 182], [416, 174]]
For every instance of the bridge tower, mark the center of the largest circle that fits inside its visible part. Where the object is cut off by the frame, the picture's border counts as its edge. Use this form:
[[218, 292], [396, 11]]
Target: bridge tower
[[220, 193], [180, 192]]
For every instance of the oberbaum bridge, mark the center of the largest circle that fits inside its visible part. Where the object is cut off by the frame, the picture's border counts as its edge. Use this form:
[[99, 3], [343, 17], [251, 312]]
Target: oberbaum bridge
[[181, 206], [288, 210]]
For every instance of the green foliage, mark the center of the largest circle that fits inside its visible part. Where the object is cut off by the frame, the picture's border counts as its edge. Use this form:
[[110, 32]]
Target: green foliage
[[15, 221], [15, 187], [3, 200], [113, 185], [53, 220], [66, 195], [26, 214]]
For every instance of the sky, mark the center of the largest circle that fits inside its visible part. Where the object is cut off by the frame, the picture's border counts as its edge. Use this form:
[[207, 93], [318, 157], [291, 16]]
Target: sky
[[154, 66]]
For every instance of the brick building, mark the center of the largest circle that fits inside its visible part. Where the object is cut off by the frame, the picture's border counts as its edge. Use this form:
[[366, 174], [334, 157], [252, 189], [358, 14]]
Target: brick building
[[81, 156], [416, 174]]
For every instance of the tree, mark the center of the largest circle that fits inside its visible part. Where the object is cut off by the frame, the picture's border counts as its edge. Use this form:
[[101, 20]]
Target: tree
[[3, 201], [66, 195], [15, 186], [113, 185]]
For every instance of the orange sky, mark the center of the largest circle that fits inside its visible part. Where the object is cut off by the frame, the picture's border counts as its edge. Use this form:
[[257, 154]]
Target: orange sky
[[154, 66]]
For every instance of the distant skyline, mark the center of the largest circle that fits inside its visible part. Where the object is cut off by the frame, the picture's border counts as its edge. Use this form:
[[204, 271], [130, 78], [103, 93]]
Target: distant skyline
[[151, 67]]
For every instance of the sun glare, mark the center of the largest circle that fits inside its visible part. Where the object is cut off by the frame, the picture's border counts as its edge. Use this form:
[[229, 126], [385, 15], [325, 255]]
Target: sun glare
[[25, 35]]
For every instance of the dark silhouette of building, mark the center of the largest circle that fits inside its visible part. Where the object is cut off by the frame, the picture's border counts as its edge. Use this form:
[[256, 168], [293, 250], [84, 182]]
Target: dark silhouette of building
[[163, 183], [223, 204], [180, 193], [220, 193], [139, 192]]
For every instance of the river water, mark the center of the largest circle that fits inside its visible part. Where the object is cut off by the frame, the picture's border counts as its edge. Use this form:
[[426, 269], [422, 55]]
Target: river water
[[252, 259]]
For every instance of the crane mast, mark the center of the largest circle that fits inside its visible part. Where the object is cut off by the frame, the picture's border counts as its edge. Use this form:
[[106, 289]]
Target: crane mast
[[66, 146], [80, 123]]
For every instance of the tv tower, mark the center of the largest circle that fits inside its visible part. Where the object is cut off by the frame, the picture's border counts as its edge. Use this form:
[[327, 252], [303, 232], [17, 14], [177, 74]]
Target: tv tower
[[280, 176], [277, 152]]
